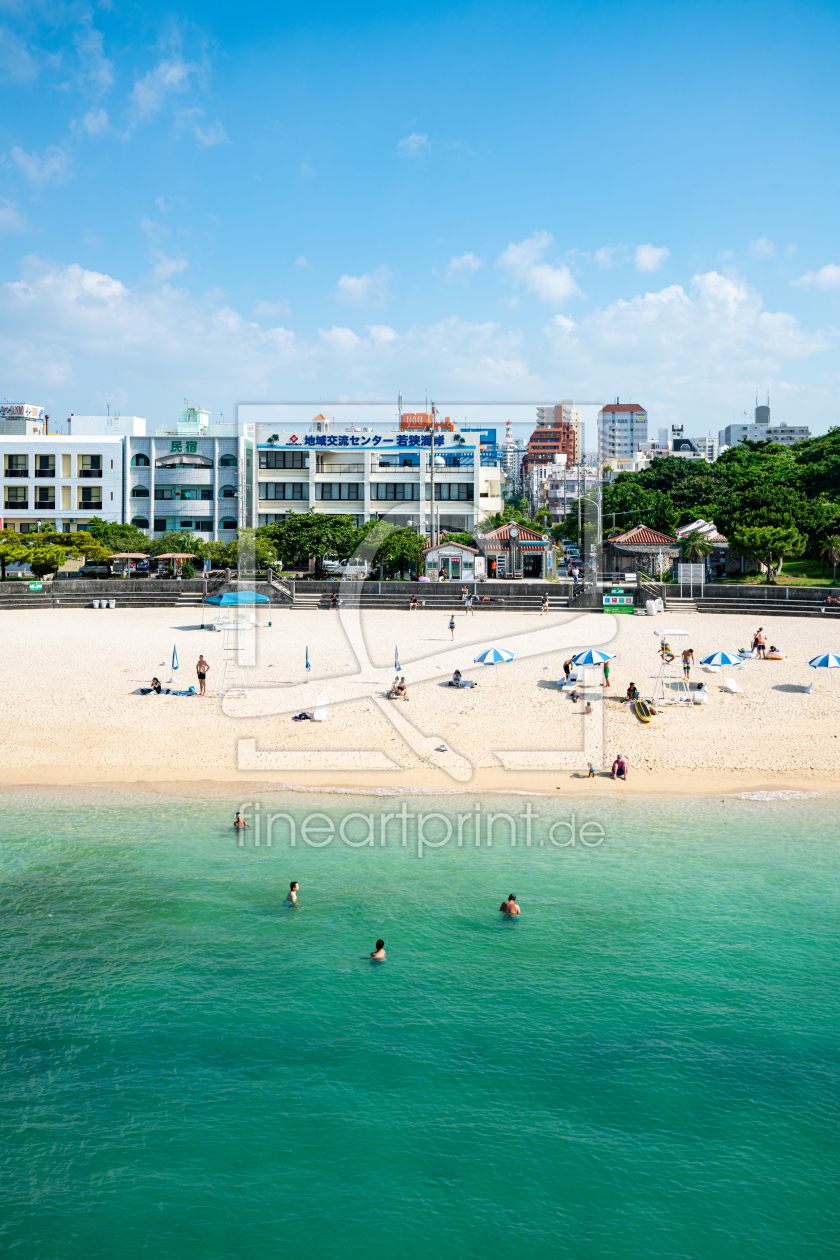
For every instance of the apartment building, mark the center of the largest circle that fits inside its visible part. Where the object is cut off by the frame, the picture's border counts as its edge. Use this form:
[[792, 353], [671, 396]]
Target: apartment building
[[622, 430], [370, 476], [761, 430], [203, 484], [60, 482]]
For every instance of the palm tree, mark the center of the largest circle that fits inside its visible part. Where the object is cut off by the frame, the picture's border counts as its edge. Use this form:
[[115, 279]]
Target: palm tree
[[696, 547], [830, 551]]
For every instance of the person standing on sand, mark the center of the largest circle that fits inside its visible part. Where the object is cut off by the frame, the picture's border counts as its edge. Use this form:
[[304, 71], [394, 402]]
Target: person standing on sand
[[761, 644], [687, 661], [452, 625], [201, 669], [509, 907], [591, 774], [567, 665], [606, 673]]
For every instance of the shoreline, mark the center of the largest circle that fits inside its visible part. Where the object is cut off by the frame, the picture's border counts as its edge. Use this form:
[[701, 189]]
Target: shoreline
[[430, 782]]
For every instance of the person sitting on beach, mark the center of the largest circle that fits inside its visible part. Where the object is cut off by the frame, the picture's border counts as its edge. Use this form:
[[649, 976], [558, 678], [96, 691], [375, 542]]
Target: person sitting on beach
[[665, 652], [456, 679], [394, 685], [509, 907], [291, 895], [575, 696], [334, 600], [632, 693], [412, 607], [378, 954], [239, 822], [588, 709], [401, 692], [620, 768], [156, 688]]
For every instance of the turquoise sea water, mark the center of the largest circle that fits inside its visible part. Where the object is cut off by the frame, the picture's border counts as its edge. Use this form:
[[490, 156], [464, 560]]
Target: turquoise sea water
[[645, 1064]]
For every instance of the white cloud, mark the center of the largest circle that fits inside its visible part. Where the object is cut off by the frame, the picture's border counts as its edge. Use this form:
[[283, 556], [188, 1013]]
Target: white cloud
[[150, 92], [414, 145], [41, 170], [369, 289], [17, 65], [165, 267], [11, 219], [604, 256], [524, 261], [94, 123], [382, 334], [463, 267], [300, 261], [650, 258], [762, 248], [96, 70], [192, 120], [828, 277], [791, 251], [272, 308]]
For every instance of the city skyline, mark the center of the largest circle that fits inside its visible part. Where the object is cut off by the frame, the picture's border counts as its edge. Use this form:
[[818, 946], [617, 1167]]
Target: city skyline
[[201, 203]]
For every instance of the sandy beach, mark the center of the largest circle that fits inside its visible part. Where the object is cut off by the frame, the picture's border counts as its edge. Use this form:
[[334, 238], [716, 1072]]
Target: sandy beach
[[72, 715]]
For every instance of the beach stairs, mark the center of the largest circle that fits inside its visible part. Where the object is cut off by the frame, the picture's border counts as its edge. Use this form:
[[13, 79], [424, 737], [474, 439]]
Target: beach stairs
[[680, 603], [441, 599], [762, 607], [15, 596]]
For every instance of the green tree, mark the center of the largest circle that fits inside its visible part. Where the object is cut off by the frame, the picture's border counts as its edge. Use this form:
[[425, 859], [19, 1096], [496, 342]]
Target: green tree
[[178, 540], [696, 547], [311, 534], [119, 537], [252, 543], [401, 550], [768, 544], [830, 551], [466, 540], [48, 558], [11, 552]]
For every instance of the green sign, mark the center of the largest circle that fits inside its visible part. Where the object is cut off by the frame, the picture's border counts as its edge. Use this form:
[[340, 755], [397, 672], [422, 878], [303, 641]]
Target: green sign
[[618, 603], [176, 446], [36, 586], [192, 448]]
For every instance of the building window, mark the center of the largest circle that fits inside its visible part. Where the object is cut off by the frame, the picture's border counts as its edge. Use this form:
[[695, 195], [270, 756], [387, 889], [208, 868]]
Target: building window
[[90, 497], [227, 522], [17, 466], [284, 459], [140, 492], [17, 497], [394, 490], [140, 522], [446, 492], [284, 490], [228, 461], [45, 465], [339, 490], [227, 492], [164, 492], [45, 497], [204, 526], [160, 524], [140, 460], [90, 465]]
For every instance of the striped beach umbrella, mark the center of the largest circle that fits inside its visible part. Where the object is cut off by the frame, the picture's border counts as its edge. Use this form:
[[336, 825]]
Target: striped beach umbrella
[[828, 660], [592, 656], [494, 655], [307, 660], [722, 658]]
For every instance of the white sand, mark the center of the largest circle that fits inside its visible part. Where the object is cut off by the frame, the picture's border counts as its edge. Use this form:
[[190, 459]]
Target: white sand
[[69, 714]]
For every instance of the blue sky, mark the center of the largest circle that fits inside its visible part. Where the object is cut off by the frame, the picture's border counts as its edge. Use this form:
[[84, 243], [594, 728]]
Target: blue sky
[[225, 202]]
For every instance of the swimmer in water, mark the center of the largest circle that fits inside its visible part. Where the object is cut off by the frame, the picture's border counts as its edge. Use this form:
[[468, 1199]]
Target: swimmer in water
[[378, 954], [509, 907], [291, 895], [239, 822]]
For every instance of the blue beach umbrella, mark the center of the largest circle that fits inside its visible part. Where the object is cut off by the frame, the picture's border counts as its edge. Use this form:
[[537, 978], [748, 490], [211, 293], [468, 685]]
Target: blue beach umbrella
[[397, 665], [592, 656], [307, 660], [492, 656], [722, 658], [174, 658], [828, 660]]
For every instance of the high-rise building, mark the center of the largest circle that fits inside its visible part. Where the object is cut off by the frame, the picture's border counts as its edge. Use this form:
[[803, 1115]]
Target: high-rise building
[[553, 436], [622, 430], [563, 413]]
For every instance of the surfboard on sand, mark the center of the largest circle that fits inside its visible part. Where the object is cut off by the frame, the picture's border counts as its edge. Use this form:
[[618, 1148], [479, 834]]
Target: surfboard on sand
[[641, 710]]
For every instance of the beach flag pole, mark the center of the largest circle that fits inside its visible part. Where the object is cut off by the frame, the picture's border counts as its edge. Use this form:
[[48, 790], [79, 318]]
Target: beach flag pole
[[307, 662], [397, 665]]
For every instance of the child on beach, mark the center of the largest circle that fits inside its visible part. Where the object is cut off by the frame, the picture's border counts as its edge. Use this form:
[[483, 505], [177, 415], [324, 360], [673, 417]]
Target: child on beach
[[452, 625]]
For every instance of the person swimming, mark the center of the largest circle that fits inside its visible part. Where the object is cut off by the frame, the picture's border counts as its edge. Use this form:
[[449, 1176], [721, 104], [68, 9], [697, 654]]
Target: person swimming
[[239, 822], [509, 907], [378, 954], [291, 895]]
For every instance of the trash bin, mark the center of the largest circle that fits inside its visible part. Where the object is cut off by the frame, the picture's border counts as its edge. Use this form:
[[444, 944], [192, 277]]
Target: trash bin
[[96, 603], [660, 606], [112, 603], [650, 607]]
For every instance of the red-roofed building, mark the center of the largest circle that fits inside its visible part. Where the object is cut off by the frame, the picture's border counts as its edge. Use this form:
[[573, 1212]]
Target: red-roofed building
[[639, 550], [517, 551]]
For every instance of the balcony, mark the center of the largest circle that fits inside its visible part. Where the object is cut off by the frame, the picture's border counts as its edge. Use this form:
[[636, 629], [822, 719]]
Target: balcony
[[16, 472], [328, 468], [17, 505], [90, 472], [44, 472]]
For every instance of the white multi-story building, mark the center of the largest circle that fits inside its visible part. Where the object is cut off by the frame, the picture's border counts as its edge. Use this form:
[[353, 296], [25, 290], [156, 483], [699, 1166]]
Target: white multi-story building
[[61, 482], [622, 430], [368, 476], [564, 486]]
